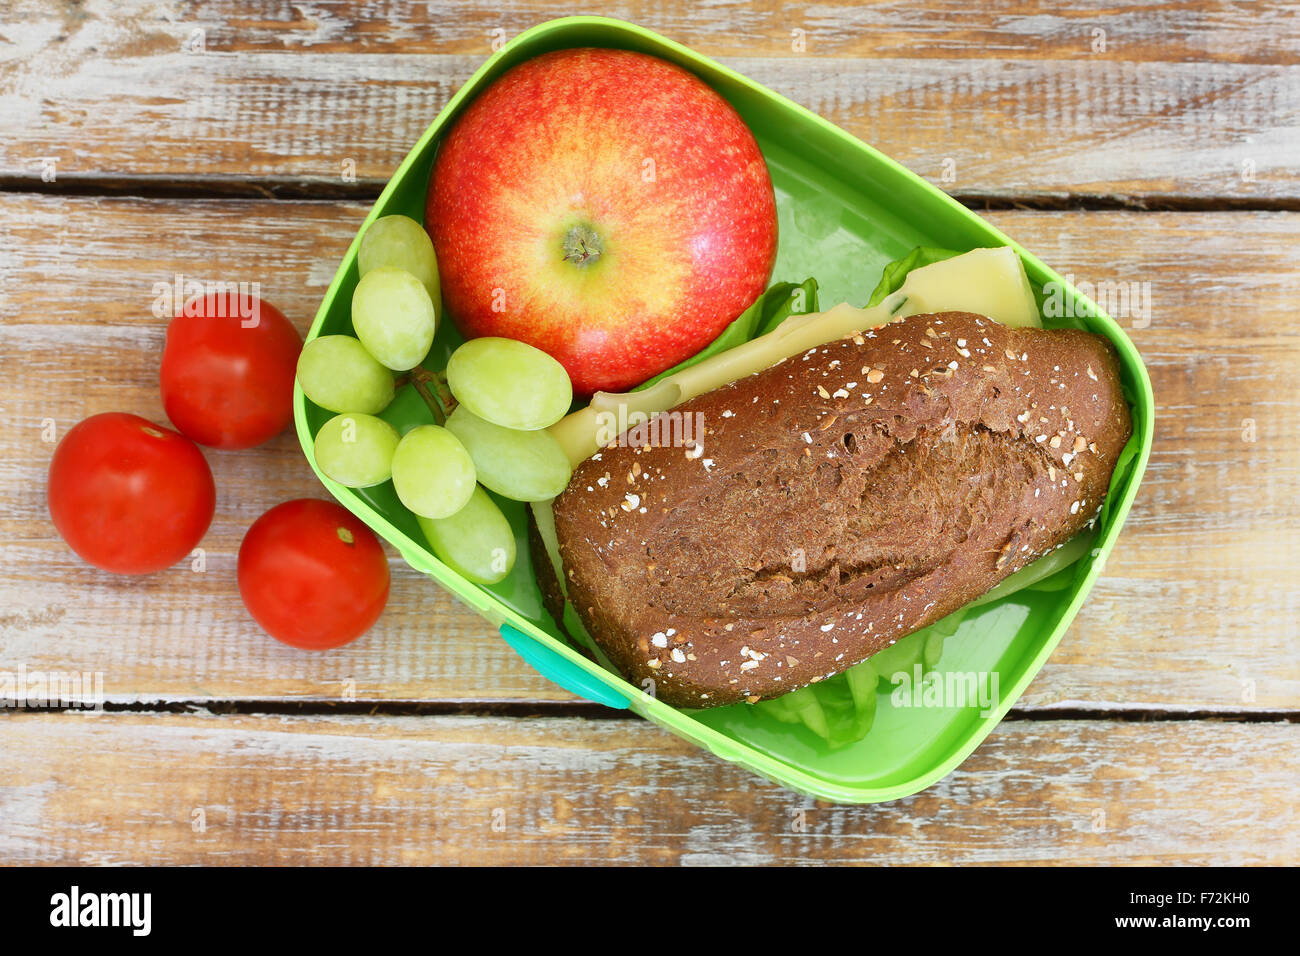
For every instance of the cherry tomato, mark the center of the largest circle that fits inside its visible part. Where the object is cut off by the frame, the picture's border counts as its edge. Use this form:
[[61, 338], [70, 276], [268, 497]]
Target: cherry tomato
[[312, 574], [128, 495], [227, 370]]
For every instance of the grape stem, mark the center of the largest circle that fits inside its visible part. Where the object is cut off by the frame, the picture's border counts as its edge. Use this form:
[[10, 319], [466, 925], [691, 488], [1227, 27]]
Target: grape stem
[[438, 398]]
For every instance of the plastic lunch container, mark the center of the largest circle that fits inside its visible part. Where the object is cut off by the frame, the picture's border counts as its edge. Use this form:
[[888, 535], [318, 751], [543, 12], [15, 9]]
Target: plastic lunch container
[[845, 211]]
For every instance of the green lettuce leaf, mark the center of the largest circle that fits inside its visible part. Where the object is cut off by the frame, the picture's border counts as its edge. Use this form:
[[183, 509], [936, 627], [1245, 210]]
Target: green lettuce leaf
[[840, 710]]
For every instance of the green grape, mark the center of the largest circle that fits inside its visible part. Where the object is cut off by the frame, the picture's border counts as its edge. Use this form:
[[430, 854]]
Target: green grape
[[509, 383], [476, 542], [356, 450], [402, 243], [525, 466], [432, 472], [394, 317], [338, 374]]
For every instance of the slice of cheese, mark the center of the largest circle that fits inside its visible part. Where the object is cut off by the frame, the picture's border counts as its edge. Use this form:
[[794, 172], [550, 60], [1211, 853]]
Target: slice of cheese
[[988, 282]]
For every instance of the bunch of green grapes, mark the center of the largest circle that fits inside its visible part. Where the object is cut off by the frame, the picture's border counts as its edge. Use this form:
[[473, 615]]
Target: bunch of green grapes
[[490, 421]]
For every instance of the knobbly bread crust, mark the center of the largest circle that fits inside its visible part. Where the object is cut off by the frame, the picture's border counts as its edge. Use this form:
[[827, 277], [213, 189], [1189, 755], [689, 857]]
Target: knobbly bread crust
[[837, 502]]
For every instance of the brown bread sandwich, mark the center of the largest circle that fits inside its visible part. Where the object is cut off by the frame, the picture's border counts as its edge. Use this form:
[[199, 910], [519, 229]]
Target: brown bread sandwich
[[835, 502]]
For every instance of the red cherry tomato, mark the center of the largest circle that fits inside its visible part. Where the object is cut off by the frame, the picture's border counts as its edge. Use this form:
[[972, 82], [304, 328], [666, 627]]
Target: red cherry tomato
[[227, 370], [312, 574], [128, 495]]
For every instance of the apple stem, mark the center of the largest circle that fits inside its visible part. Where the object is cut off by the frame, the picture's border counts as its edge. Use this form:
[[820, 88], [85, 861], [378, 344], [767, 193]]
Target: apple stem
[[581, 245], [582, 254]]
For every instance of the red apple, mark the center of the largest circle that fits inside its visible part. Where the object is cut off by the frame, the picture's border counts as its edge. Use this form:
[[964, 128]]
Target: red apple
[[605, 206]]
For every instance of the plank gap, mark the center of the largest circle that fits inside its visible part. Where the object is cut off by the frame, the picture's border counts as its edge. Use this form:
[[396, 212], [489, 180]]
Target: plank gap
[[563, 709], [332, 190]]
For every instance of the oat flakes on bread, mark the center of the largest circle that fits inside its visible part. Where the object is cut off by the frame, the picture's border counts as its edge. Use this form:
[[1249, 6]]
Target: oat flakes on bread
[[841, 500]]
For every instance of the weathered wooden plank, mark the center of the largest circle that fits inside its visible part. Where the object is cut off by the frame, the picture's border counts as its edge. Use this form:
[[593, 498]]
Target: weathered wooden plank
[[110, 789], [1197, 31], [1197, 102], [1197, 608]]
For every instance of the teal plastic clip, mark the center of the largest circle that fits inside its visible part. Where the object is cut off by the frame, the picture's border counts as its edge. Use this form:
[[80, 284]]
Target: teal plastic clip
[[557, 668]]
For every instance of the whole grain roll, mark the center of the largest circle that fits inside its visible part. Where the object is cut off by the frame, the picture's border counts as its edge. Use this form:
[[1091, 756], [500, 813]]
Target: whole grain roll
[[836, 502]]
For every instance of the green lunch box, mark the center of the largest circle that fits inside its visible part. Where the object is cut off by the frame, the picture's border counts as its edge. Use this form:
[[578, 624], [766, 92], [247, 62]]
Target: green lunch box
[[844, 212]]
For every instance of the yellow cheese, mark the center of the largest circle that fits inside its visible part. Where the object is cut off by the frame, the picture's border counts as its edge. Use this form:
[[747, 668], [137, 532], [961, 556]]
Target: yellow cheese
[[988, 282]]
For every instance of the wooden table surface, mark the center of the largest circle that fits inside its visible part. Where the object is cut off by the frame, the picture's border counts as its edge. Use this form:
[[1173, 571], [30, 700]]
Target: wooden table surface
[[1122, 141]]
